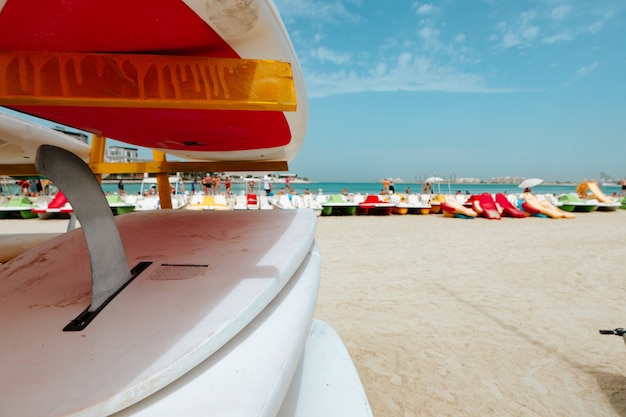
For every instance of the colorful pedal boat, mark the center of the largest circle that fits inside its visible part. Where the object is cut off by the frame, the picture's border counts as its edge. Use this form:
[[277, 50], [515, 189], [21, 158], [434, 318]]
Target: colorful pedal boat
[[17, 207], [534, 206], [58, 208], [374, 205], [452, 208], [485, 206], [508, 209], [410, 204], [118, 205], [338, 205], [572, 203]]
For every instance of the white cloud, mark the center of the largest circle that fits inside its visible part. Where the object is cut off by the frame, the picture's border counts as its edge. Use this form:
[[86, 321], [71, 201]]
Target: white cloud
[[321, 12], [530, 33], [423, 9], [564, 36], [584, 71], [326, 55], [379, 70], [596, 26], [521, 33], [427, 53], [406, 72], [560, 12], [430, 37], [510, 39], [527, 16]]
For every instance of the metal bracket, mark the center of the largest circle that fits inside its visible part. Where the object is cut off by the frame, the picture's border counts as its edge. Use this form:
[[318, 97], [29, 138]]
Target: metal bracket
[[84, 318], [617, 332]]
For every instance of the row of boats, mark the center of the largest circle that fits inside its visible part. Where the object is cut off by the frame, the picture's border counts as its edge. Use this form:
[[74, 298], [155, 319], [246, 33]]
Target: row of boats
[[484, 205], [589, 198]]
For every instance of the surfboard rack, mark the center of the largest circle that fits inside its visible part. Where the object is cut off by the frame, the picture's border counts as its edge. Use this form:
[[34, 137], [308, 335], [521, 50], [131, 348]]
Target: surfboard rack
[[110, 272]]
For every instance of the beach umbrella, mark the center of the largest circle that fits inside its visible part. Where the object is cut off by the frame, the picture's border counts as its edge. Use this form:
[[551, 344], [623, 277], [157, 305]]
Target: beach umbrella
[[530, 182], [436, 180]]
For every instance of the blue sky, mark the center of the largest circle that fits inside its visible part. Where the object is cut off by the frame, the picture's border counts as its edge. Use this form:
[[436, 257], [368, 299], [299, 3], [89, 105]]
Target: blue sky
[[461, 88]]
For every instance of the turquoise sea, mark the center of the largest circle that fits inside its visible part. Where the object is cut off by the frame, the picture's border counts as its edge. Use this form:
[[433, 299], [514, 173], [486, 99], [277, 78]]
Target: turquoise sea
[[373, 188]]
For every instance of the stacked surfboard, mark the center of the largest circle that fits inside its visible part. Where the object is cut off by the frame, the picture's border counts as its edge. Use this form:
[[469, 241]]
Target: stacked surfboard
[[216, 324], [216, 314]]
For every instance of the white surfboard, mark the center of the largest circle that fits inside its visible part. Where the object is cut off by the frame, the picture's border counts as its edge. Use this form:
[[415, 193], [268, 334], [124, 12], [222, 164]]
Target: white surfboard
[[211, 274], [20, 138], [327, 383], [251, 374], [12, 245]]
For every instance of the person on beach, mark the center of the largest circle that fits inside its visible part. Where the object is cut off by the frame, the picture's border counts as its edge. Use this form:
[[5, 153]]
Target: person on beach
[[227, 185], [24, 185], [206, 183], [428, 189], [120, 187], [385, 186], [623, 187], [392, 188], [38, 187], [217, 185], [33, 188], [212, 184], [267, 184]]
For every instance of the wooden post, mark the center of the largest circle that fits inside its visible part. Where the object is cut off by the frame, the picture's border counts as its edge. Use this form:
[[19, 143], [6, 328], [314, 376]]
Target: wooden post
[[163, 182], [98, 144]]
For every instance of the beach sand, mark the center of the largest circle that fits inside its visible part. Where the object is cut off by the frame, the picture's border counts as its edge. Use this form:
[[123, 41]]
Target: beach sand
[[452, 317]]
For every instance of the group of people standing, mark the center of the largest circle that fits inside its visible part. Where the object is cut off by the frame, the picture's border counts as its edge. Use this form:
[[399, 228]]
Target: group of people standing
[[267, 185], [212, 184], [33, 187]]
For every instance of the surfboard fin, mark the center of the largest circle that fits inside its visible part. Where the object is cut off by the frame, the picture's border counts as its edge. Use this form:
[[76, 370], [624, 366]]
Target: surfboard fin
[[110, 272]]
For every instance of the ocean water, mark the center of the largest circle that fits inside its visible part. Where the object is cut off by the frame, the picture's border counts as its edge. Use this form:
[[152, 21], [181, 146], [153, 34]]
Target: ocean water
[[374, 188]]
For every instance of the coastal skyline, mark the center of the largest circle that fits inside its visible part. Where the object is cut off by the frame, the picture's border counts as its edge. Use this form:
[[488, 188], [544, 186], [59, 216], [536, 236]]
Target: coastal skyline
[[461, 89]]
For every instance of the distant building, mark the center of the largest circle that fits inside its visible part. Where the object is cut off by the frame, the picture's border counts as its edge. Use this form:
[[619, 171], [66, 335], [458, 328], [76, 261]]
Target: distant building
[[121, 154], [468, 180], [76, 135]]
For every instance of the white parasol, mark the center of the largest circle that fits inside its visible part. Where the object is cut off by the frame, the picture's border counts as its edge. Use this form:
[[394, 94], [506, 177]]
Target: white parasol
[[435, 180], [530, 182]]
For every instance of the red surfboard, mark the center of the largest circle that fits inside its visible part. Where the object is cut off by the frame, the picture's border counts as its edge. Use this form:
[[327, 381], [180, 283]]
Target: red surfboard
[[156, 39]]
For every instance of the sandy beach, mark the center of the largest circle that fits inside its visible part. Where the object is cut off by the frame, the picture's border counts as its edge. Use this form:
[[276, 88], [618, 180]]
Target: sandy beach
[[452, 317]]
